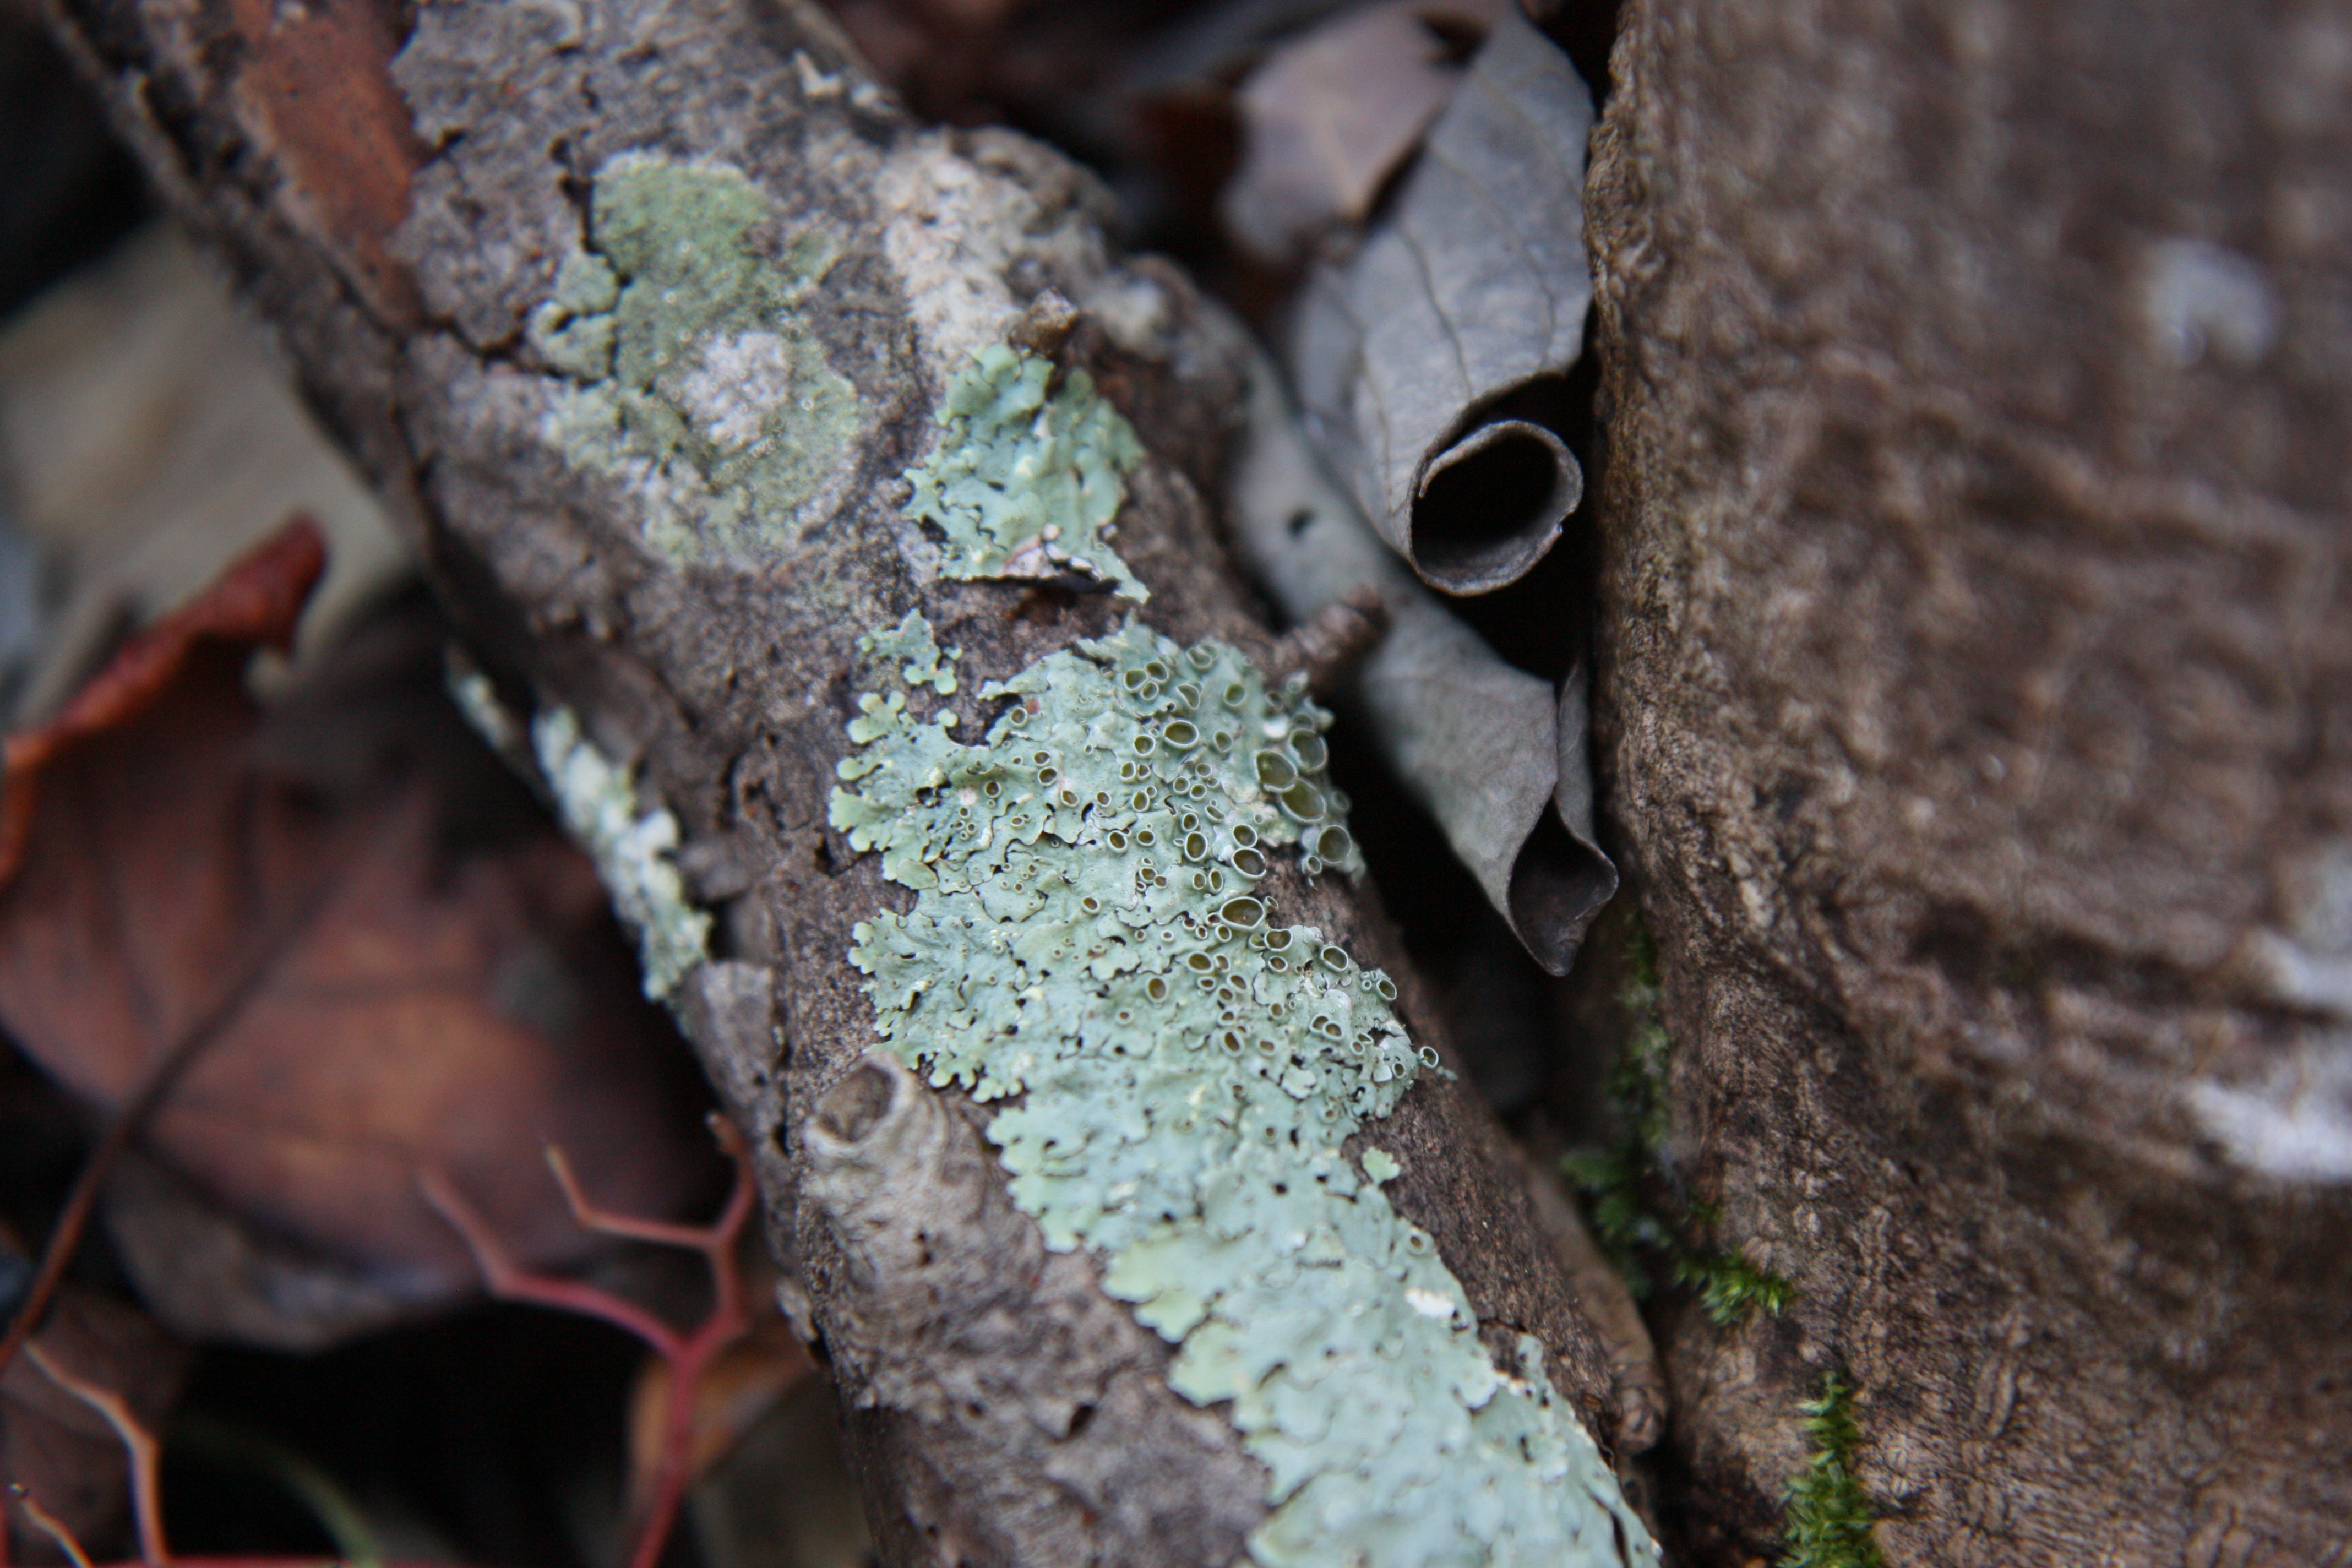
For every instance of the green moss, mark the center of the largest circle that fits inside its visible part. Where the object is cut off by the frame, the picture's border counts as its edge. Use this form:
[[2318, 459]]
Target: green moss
[[1621, 1184], [1829, 1517], [1731, 1288], [597, 799], [1089, 945], [1027, 475], [697, 381]]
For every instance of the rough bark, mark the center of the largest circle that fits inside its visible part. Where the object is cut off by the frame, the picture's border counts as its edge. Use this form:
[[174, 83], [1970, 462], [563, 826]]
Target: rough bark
[[1976, 691], [398, 190]]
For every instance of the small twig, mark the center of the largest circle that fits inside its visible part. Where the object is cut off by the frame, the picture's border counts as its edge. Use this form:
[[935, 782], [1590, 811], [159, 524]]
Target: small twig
[[1637, 1383], [145, 1453], [1328, 645], [689, 1355], [50, 1525]]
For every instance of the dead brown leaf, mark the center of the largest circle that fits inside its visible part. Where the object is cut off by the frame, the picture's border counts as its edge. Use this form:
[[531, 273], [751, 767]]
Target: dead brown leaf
[[455, 998], [1333, 113], [1432, 366], [314, 83]]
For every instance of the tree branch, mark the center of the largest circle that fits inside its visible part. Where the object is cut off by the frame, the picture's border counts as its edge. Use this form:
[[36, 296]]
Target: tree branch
[[672, 515]]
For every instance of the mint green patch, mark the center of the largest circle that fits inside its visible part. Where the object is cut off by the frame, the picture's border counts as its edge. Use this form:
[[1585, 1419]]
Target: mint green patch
[[697, 381], [1027, 476], [1089, 942], [597, 799], [919, 661]]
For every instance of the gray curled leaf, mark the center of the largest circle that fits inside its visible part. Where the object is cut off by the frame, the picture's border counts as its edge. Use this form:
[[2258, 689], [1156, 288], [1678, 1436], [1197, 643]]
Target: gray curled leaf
[[1478, 741], [1422, 359]]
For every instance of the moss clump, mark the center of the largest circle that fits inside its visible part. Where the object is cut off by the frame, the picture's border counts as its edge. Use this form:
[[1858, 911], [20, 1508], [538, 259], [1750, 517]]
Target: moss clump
[[1618, 1182], [1731, 1288], [1028, 474], [1091, 944], [1829, 1517], [698, 384]]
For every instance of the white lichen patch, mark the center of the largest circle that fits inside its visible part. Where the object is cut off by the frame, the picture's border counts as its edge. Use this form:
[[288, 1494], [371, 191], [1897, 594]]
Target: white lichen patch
[[597, 799], [2296, 1123], [957, 222], [694, 381], [1090, 941], [740, 381], [477, 699], [1027, 475], [2198, 299]]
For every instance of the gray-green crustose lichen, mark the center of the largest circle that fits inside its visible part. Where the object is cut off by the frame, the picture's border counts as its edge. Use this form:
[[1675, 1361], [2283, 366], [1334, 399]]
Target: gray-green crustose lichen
[[597, 799], [697, 382], [1028, 473], [1089, 940]]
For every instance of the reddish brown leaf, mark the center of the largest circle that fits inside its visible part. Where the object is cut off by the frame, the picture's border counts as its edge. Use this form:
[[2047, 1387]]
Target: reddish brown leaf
[[255, 604], [315, 87], [455, 998]]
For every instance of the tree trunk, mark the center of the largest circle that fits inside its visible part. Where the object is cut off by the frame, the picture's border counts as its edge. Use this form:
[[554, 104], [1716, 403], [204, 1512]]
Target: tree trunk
[[410, 194], [1976, 683]]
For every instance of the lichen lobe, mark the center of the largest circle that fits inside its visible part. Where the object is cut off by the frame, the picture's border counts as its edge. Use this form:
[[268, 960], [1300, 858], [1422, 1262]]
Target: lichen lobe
[[1089, 943], [1029, 471]]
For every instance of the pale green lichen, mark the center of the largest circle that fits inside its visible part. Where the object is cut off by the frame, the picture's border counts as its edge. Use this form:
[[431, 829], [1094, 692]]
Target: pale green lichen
[[921, 662], [1829, 1523], [597, 800], [1090, 937], [477, 699], [698, 382], [1027, 475]]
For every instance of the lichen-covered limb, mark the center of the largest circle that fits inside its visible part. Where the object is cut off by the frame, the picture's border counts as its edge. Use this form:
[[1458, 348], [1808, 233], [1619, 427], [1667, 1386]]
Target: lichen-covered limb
[[643, 316], [1092, 936]]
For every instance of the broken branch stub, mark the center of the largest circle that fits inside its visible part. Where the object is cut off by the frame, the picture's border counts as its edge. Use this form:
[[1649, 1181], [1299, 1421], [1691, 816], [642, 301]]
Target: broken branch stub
[[1419, 359]]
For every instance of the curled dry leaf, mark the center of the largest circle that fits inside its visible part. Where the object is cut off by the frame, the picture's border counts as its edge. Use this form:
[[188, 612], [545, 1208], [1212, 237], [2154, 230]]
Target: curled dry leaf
[[1429, 362], [255, 604], [1478, 741], [1333, 114], [455, 995]]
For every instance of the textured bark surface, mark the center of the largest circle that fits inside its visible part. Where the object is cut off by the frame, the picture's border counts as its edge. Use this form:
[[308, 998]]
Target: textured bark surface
[[1977, 692], [398, 204]]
